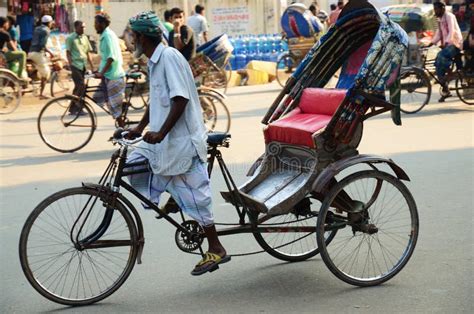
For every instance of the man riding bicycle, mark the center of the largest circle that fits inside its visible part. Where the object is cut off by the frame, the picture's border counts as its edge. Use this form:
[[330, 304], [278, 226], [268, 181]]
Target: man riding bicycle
[[175, 147], [449, 36]]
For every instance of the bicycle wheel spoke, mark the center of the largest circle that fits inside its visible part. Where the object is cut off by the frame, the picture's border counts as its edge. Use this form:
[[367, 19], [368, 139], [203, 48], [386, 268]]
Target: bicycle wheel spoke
[[378, 239], [63, 271]]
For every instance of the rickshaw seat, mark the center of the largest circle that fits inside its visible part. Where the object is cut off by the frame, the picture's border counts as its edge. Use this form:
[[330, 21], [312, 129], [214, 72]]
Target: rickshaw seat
[[314, 111]]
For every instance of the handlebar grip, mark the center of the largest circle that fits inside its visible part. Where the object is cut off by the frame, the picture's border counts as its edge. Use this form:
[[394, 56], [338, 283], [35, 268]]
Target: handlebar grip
[[118, 134]]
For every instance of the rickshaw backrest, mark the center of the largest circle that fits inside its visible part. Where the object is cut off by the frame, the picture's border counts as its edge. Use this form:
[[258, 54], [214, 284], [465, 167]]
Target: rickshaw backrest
[[321, 101], [351, 67]]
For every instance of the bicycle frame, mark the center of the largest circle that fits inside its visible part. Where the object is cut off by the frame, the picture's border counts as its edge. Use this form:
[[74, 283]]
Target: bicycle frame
[[117, 170]]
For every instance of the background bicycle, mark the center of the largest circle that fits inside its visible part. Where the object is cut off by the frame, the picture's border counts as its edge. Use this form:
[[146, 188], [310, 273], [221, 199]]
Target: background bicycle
[[66, 129], [416, 82]]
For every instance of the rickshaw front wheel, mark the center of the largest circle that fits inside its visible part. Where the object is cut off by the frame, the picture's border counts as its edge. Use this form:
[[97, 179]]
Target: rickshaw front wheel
[[376, 220]]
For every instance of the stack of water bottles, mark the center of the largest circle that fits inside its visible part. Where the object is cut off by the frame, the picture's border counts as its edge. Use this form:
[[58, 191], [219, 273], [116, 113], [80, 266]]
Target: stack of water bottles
[[263, 47]]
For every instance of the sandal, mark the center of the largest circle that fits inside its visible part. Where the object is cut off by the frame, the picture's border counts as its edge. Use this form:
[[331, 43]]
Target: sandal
[[212, 260]]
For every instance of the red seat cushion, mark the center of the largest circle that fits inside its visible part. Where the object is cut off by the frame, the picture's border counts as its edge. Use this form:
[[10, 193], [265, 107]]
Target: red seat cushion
[[321, 100], [296, 129]]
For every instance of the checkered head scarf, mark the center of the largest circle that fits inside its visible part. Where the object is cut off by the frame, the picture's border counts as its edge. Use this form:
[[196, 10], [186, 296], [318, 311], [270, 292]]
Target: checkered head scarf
[[146, 23]]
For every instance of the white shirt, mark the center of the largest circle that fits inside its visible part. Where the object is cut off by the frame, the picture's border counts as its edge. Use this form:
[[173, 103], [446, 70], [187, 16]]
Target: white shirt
[[199, 25], [171, 76]]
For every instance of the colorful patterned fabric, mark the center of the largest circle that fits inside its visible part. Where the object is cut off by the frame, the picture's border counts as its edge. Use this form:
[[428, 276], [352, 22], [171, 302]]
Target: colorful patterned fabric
[[338, 48], [112, 93]]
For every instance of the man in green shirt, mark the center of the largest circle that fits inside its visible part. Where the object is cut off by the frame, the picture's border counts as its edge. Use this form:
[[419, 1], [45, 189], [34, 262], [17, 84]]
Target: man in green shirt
[[78, 50], [110, 69]]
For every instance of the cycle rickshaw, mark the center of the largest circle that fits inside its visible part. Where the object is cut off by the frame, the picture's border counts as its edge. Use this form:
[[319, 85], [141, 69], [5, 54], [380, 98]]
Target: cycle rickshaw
[[300, 31], [211, 64], [418, 70], [79, 245]]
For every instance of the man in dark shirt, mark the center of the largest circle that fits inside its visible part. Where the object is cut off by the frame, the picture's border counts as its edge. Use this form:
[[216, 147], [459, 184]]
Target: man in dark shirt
[[182, 36], [38, 50]]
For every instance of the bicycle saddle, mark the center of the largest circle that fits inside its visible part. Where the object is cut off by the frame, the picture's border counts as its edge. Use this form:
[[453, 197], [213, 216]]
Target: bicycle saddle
[[134, 75], [217, 138]]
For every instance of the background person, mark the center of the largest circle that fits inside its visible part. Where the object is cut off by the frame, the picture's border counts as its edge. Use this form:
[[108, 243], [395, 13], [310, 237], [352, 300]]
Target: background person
[[38, 51], [199, 25], [335, 14], [175, 145], [168, 20], [15, 36], [78, 49], [26, 23], [110, 69], [449, 36], [10, 51], [182, 36]]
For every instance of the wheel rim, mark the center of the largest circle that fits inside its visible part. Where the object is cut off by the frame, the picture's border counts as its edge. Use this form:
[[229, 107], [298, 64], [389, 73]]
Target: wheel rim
[[60, 84], [62, 130], [61, 272], [293, 245], [465, 89], [10, 95], [216, 116], [415, 91], [285, 68], [390, 229]]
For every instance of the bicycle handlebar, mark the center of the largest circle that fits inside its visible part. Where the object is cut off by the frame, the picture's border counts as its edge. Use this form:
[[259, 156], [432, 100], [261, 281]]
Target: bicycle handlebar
[[119, 137]]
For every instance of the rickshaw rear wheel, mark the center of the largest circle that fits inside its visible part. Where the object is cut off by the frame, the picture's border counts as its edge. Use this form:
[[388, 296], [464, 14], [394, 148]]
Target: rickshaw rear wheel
[[377, 223], [465, 88], [292, 246]]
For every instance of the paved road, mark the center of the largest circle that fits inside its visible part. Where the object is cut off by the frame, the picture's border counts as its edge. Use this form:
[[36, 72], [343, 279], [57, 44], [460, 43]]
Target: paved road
[[434, 146]]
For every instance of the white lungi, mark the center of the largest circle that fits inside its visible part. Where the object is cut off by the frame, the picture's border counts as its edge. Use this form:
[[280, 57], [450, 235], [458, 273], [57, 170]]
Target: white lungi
[[191, 190]]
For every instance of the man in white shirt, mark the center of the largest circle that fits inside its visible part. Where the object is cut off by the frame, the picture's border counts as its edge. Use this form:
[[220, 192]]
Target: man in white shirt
[[199, 24], [449, 36], [175, 147]]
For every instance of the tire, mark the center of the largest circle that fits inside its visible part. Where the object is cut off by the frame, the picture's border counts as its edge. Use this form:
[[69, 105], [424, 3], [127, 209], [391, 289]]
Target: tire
[[359, 257], [141, 95], [465, 88], [286, 65], [60, 83], [61, 272], [10, 94], [216, 79], [216, 116], [415, 90], [62, 131], [292, 246]]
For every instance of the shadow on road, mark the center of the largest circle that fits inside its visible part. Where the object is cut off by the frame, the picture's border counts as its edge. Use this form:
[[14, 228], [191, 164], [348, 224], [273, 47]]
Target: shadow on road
[[73, 157]]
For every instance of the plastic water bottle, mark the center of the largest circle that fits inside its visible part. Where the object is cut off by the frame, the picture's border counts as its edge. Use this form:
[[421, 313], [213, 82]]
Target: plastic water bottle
[[238, 45], [252, 48]]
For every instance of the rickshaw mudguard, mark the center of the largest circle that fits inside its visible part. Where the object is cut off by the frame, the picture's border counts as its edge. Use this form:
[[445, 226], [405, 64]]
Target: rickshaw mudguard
[[127, 204], [333, 169]]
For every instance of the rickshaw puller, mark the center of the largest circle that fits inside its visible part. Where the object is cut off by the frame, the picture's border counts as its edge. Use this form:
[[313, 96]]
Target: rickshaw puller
[[175, 147], [449, 36]]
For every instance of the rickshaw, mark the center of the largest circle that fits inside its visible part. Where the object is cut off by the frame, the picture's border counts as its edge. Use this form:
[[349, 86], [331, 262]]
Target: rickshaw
[[11, 87], [300, 31], [211, 65], [364, 224]]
